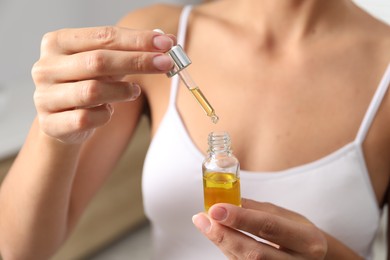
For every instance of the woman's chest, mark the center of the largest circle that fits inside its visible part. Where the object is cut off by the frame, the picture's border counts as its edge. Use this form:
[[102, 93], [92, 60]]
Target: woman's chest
[[279, 120]]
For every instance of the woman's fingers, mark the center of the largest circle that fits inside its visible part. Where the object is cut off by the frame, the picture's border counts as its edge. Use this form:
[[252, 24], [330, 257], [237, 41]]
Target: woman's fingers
[[79, 73], [74, 126], [86, 93], [79, 54], [235, 244], [98, 63], [69, 41], [289, 234], [301, 238], [271, 208]]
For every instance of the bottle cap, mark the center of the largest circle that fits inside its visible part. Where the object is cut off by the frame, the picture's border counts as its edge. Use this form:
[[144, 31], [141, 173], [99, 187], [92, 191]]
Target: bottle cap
[[180, 60]]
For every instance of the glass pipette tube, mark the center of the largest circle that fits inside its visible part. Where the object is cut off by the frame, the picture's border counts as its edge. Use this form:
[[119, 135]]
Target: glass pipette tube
[[181, 62], [199, 96]]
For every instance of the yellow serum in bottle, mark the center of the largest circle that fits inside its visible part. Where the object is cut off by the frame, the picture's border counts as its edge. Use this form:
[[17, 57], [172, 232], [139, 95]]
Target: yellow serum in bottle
[[221, 172]]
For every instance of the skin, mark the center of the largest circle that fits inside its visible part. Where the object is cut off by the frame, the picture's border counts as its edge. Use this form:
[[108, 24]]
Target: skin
[[86, 97]]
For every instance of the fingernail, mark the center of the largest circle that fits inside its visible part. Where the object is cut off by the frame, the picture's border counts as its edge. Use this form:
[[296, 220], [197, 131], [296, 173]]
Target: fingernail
[[135, 91], [159, 31], [162, 62], [218, 213], [201, 222], [162, 42]]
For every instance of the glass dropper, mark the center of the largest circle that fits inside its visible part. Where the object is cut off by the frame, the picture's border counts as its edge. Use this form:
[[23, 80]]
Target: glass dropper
[[198, 94], [181, 62]]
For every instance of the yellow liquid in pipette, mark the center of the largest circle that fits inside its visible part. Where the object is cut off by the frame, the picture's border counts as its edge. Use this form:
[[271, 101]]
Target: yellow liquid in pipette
[[221, 187], [208, 109]]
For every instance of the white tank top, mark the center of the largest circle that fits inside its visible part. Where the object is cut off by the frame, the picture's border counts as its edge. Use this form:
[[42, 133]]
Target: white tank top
[[334, 192]]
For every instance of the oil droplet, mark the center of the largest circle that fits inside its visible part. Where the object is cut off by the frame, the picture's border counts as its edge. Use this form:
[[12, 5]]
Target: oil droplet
[[214, 118]]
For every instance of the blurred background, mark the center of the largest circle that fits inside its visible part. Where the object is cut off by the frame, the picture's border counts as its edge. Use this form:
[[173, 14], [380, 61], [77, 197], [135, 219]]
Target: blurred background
[[110, 217], [22, 25]]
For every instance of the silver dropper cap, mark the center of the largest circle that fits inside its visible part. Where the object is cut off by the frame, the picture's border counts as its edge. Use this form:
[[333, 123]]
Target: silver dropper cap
[[180, 60]]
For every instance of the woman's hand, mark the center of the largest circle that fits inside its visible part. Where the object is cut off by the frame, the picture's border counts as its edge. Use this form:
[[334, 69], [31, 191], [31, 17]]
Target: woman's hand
[[80, 73], [290, 235]]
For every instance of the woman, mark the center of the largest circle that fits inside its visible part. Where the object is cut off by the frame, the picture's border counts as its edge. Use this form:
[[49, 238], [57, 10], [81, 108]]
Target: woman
[[293, 82]]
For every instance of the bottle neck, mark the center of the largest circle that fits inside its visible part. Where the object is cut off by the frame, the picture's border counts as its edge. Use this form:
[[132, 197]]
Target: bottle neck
[[219, 142]]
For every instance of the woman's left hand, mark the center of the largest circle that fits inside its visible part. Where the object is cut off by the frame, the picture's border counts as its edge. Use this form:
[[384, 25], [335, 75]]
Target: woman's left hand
[[288, 235]]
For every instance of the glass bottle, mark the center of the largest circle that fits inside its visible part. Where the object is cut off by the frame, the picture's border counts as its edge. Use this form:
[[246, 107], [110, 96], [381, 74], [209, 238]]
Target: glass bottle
[[221, 172]]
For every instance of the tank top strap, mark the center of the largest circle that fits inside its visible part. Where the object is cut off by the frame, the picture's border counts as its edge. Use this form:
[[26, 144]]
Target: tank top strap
[[373, 107], [181, 38]]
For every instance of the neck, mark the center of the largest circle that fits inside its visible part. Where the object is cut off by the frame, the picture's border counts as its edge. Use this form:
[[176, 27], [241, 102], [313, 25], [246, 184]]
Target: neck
[[285, 18]]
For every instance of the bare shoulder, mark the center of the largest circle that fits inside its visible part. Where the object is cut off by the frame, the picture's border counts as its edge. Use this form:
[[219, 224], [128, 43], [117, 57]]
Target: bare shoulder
[[383, 42], [382, 34], [162, 16], [377, 35]]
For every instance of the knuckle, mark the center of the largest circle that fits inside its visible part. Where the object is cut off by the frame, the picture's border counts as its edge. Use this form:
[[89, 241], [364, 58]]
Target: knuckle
[[46, 124], [38, 97], [90, 92], [255, 254], [80, 120], [39, 72], [138, 63], [95, 61], [106, 35], [219, 238], [237, 220], [42, 119], [269, 228], [318, 248], [138, 42], [49, 40]]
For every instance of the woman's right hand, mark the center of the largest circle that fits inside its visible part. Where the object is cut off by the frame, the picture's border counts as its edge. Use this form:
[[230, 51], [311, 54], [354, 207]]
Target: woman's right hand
[[80, 73]]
